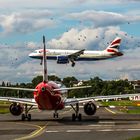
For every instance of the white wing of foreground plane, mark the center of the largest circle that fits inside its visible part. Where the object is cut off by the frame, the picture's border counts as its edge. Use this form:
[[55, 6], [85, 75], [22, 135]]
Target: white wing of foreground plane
[[70, 101], [32, 101], [15, 88], [19, 100]]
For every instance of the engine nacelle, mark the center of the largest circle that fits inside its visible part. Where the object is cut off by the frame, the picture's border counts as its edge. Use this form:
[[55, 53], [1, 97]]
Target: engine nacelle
[[15, 109], [62, 59], [90, 108]]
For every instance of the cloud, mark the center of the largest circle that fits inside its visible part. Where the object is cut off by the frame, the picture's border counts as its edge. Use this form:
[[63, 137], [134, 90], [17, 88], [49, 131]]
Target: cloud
[[93, 39], [59, 3], [104, 1], [30, 18], [17, 66], [31, 3], [103, 18], [123, 67], [26, 21]]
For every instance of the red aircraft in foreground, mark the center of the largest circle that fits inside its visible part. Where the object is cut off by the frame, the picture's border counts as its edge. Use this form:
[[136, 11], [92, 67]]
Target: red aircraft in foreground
[[48, 96]]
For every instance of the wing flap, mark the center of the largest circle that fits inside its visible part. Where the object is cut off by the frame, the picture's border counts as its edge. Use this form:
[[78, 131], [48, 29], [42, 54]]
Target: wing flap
[[23, 89], [75, 55], [71, 88], [19, 100], [84, 100]]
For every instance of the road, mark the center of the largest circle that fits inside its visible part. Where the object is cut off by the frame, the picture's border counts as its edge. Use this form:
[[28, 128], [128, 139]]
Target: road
[[107, 124]]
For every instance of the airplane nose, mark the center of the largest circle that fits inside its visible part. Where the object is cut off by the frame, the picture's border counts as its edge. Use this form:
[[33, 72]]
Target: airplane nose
[[31, 55]]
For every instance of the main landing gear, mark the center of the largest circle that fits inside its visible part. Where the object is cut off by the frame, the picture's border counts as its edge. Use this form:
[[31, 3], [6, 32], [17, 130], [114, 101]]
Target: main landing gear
[[41, 61], [26, 115], [73, 64], [76, 115], [55, 114]]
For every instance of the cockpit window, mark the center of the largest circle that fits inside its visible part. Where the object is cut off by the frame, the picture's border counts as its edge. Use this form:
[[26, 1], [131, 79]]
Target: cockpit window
[[35, 51]]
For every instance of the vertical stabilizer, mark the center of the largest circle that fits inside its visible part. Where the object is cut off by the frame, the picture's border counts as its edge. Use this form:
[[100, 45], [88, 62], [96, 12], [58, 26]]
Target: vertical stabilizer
[[45, 75], [114, 45]]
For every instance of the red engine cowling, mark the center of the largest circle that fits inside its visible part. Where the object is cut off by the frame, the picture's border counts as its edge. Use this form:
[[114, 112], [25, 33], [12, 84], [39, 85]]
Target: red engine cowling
[[15, 109], [90, 108]]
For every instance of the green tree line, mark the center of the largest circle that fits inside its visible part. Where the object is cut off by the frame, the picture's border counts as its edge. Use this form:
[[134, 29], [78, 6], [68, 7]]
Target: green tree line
[[99, 87]]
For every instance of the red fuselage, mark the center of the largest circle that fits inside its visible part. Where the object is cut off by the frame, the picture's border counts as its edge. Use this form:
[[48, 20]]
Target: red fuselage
[[46, 98]]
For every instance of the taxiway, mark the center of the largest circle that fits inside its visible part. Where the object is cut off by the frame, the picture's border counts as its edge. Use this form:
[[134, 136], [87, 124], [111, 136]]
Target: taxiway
[[107, 124]]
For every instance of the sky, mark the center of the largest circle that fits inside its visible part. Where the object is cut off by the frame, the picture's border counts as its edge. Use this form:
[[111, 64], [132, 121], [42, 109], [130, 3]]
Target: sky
[[63, 22]]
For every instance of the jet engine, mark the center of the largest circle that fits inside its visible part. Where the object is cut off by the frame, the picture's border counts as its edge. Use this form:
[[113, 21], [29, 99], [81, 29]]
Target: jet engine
[[15, 109], [90, 108], [62, 60]]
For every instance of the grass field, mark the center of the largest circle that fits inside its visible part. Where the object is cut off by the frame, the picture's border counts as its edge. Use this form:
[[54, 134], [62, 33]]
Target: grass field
[[137, 138], [121, 103], [125, 106], [4, 110], [4, 107]]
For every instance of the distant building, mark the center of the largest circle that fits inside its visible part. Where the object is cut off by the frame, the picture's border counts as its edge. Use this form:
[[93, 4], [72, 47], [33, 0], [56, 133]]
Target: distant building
[[136, 85], [135, 98]]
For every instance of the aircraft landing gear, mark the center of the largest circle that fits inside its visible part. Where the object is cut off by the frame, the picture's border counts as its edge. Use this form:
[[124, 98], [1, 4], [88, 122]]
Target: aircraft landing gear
[[73, 64], [76, 115], [55, 114], [41, 61], [26, 115]]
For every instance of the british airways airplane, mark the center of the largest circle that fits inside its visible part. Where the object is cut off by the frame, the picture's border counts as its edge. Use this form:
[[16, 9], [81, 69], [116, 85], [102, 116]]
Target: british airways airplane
[[66, 56]]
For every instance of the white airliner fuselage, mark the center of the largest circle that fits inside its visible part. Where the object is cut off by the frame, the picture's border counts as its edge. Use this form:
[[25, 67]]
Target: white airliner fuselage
[[53, 54], [66, 56]]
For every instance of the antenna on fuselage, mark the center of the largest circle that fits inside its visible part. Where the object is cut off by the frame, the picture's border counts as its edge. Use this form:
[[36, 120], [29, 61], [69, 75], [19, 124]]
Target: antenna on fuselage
[[45, 75]]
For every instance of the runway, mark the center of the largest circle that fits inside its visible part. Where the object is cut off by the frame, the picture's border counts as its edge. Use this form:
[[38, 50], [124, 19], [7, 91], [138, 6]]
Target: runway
[[107, 124]]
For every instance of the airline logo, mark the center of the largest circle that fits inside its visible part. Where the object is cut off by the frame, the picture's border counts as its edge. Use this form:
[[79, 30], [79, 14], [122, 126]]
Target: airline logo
[[114, 46], [41, 51], [116, 42]]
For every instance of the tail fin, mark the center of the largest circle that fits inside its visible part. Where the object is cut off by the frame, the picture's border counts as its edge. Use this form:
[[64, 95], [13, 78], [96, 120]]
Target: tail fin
[[45, 75], [114, 45]]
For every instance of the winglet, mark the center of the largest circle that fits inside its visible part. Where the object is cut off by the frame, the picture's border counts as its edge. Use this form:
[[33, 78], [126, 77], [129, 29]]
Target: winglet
[[45, 75]]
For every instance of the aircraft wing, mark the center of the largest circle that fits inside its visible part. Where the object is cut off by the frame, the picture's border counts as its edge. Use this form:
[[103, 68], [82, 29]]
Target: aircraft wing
[[71, 88], [23, 89], [71, 101], [19, 100], [75, 55], [28, 101]]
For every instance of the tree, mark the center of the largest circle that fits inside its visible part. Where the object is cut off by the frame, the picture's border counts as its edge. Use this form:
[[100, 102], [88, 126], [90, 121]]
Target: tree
[[69, 81], [97, 85], [37, 80], [3, 84], [54, 78]]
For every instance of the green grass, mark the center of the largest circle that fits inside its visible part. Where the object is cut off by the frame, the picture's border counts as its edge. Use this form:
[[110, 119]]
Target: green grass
[[4, 107], [123, 105], [4, 110], [133, 111], [4, 103], [119, 103], [137, 138]]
